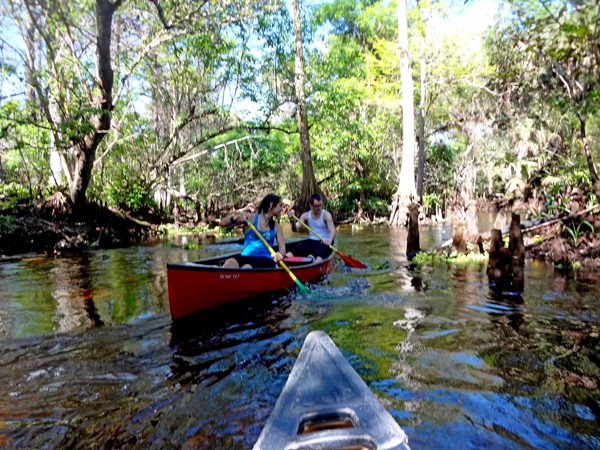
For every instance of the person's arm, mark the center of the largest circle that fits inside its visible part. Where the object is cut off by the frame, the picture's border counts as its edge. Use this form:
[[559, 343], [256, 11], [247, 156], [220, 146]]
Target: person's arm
[[233, 220], [280, 241], [294, 223], [330, 226], [304, 219]]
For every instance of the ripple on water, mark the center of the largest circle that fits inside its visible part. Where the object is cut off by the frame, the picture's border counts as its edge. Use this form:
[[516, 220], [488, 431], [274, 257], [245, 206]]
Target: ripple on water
[[90, 357]]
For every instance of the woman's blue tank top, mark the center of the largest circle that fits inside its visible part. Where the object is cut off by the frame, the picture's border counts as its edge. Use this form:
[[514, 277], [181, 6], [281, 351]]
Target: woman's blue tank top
[[253, 246]]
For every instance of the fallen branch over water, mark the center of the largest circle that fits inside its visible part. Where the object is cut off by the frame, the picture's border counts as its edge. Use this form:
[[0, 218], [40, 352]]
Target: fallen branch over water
[[128, 217], [559, 219], [526, 225]]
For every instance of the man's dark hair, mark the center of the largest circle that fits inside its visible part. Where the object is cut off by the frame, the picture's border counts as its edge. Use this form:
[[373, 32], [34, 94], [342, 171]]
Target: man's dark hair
[[314, 197]]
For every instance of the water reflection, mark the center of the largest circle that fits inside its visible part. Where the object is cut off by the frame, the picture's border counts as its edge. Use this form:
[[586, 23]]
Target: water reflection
[[73, 294], [506, 306], [206, 339], [90, 356]]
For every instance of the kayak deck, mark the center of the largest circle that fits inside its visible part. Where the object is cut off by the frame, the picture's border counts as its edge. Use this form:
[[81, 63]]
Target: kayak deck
[[325, 405]]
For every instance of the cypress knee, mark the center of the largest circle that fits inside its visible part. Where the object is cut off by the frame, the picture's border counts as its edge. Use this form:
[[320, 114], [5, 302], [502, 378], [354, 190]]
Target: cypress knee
[[458, 237], [499, 259], [496, 241], [412, 243], [516, 247], [480, 245], [559, 252], [176, 215], [501, 219], [472, 223]]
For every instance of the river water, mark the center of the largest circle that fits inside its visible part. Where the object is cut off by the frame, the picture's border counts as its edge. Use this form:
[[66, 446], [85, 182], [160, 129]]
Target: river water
[[89, 357]]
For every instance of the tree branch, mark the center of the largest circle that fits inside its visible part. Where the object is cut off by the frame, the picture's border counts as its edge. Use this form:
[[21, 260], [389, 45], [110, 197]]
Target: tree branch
[[163, 19], [151, 46], [550, 12], [182, 125]]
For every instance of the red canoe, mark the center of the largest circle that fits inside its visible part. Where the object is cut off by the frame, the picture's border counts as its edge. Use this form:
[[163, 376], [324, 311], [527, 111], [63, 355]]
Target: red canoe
[[202, 284]]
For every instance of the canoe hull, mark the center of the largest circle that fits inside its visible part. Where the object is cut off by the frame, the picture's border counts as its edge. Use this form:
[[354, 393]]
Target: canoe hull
[[194, 286]]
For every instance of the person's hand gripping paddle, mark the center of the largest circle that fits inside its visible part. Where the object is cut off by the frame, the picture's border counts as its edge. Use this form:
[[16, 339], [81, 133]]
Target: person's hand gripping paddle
[[303, 288], [350, 262]]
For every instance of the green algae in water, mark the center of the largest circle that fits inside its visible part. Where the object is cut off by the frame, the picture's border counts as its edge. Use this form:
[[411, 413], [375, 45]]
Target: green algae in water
[[381, 266], [368, 333], [454, 257]]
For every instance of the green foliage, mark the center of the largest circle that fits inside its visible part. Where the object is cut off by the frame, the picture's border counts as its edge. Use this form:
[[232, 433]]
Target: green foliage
[[591, 201], [6, 224], [541, 49], [14, 191], [170, 229], [517, 132], [577, 231], [377, 205], [430, 201], [128, 194], [340, 205]]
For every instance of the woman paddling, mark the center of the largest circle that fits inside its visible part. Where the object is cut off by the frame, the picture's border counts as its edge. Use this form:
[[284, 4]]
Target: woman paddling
[[255, 254]]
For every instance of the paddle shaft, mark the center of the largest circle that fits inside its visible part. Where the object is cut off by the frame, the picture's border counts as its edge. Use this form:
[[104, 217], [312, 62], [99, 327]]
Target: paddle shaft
[[281, 263], [351, 262]]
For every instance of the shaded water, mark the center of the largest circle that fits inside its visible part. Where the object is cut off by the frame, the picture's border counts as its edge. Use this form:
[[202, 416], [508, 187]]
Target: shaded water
[[89, 357]]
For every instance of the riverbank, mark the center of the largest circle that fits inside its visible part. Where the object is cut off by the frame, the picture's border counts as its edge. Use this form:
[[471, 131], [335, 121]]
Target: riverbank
[[51, 226]]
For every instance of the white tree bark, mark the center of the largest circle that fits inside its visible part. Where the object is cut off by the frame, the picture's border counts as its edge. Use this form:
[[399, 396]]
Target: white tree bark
[[421, 170], [406, 186]]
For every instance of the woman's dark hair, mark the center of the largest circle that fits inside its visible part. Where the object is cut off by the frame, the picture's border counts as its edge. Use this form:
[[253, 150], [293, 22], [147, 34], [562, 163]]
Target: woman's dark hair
[[266, 204]]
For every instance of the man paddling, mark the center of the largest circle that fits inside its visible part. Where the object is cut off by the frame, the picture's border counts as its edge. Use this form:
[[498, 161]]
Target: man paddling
[[321, 222]]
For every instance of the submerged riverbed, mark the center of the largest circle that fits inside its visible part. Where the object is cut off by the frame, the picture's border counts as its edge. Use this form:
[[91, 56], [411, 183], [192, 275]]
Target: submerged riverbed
[[89, 357]]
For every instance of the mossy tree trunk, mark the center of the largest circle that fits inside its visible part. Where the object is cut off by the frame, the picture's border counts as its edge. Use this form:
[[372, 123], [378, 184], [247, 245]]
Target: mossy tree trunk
[[406, 187], [309, 182]]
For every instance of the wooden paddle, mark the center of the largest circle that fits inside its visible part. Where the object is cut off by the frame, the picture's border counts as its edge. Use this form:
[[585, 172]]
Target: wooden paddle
[[351, 262], [303, 288]]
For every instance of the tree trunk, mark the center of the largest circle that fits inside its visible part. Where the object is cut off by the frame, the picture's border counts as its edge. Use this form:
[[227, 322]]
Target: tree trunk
[[361, 202], [472, 222], [85, 151], [406, 186], [182, 190], [29, 41], [309, 182], [499, 258], [501, 219], [458, 236], [421, 171], [586, 149], [496, 241], [516, 247], [413, 246], [559, 252]]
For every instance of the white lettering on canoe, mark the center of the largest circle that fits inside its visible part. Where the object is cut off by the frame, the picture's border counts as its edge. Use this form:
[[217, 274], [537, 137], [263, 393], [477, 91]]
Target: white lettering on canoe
[[227, 276]]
